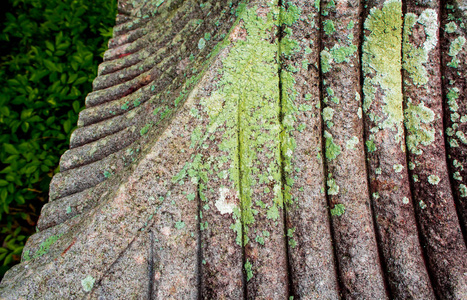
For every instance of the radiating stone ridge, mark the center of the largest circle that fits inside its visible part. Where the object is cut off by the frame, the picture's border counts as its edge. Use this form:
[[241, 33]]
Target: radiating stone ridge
[[264, 149]]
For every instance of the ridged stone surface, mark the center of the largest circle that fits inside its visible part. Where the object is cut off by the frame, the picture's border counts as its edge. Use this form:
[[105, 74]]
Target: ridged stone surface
[[264, 149]]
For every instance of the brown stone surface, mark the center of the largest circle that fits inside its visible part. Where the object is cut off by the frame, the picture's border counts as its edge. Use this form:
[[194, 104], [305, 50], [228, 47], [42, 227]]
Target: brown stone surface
[[264, 150]]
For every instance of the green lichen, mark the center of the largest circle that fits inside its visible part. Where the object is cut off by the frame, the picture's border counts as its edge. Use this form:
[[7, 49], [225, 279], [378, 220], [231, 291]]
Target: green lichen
[[44, 248], [248, 270], [329, 27], [414, 57], [88, 283], [417, 121], [380, 60], [326, 61], [179, 224], [290, 15], [456, 46], [450, 27], [338, 210], [342, 54], [370, 146], [332, 150], [145, 129], [452, 96]]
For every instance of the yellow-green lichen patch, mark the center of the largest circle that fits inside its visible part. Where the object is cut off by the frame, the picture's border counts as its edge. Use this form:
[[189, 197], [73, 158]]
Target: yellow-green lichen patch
[[332, 150], [415, 57], [381, 63], [329, 27], [248, 270], [338, 210], [456, 46], [342, 54], [417, 121], [450, 27]]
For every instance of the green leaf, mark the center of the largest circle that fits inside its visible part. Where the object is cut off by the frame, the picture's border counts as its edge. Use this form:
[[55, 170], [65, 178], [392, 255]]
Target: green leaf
[[9, 148], [4, 110], [49, 46], [67, 126]]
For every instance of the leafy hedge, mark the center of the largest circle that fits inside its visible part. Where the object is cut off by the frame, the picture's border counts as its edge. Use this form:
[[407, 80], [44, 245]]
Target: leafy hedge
[[49, 53]]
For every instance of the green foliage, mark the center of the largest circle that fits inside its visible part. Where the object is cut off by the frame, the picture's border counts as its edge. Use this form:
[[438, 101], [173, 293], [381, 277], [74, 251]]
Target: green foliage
[[49, 53]]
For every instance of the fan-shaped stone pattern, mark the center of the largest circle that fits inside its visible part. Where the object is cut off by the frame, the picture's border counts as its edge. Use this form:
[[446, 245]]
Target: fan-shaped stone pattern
[[201, 171]]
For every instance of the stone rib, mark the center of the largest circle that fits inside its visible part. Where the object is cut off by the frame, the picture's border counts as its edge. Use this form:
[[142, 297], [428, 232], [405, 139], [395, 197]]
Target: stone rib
[[127, 37], [312, 267], [347, 188], [218, 189], [453, 66], [387, 165], [434, 203]]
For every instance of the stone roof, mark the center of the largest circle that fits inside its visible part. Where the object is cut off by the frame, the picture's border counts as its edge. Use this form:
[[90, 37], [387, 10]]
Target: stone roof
[[266, 150]]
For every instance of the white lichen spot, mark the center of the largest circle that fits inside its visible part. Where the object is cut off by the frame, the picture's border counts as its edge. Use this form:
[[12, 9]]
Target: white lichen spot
[[333, 188], [461, 136], [328, 113], [457, 164], [398, 168], [411, 166], [376, 196], [225, 203], [457, 176], [433, 179], [201, 43], [405, 200], [463, 190], [350, 145], [359, 113], [429, 18], [422, 204], [453, 143], [378, 171], [463, 119], [88, 283], [450, 27]]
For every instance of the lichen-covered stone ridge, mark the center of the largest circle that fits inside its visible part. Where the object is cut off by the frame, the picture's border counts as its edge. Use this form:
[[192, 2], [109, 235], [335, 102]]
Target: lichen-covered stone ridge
[[264, 149]]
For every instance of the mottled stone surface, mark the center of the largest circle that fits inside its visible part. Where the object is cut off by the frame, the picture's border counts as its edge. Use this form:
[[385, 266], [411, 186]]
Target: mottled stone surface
[[264, 149]]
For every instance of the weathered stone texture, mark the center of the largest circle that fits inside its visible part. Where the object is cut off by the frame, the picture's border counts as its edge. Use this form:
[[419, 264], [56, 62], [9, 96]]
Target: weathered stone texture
[[264, 150]]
